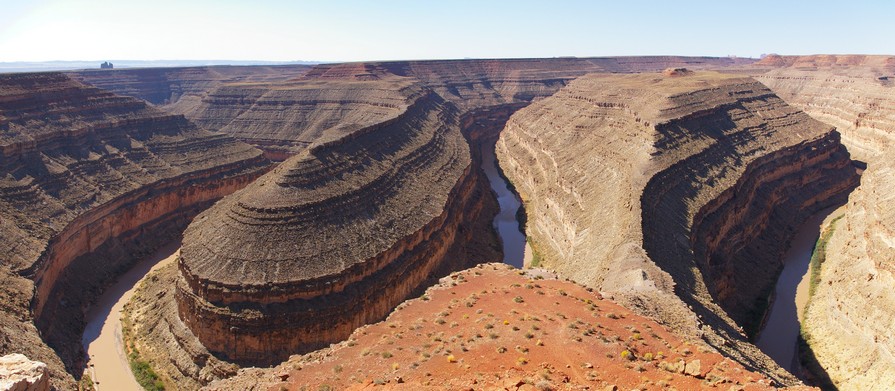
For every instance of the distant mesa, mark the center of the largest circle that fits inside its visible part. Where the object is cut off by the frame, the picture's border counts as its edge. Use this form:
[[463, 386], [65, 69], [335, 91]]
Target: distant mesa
[[106, 65], [677, 72]]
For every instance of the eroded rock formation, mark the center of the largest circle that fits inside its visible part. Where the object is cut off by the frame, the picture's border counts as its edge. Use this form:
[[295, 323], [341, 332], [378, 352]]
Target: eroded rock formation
[[852, 312], [333, 238], [88, 180], [18, 373], [284, 118], [332, 101], [661, 189], [282, 113]]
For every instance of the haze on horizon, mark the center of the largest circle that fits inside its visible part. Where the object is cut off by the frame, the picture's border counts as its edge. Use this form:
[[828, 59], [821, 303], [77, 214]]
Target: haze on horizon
[[281, 30]]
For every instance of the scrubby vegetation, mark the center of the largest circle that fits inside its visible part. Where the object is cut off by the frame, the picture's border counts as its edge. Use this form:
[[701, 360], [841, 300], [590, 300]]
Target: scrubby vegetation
[[817, 374], [819, 256], [143, 372]]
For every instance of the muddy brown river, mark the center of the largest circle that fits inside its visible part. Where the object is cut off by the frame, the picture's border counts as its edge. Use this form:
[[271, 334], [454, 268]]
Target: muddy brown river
[[107, 362], [779, 336], [515, 248]]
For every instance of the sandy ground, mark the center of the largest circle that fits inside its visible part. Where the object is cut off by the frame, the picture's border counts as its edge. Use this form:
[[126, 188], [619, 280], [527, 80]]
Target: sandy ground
[[107, 362]]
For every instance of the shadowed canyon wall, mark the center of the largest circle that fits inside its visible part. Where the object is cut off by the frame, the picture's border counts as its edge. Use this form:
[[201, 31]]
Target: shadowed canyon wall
[[88, 179], [334, 238], [849, 318], [677, 193]]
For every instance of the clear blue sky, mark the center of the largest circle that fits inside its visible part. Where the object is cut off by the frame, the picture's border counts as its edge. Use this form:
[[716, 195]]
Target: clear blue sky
[[42, 30]]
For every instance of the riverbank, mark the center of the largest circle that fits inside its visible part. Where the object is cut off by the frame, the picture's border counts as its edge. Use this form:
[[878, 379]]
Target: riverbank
[[779, 336], [107, 362]]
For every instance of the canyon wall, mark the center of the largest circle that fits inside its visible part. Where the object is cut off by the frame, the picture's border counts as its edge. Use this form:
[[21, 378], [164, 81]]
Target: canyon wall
[[332, 239], [282, 110], [849, 318], [662, 189], [88, 178], [284, 118], [181, 87]]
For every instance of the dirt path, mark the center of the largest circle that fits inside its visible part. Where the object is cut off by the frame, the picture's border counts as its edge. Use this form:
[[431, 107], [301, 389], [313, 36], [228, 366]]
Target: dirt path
[[107, 363]]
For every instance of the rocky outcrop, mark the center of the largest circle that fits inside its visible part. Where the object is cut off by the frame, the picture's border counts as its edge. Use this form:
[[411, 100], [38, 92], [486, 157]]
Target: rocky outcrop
[[849, 317], [492, 327], [674, 193], [88, 180], [18, 373], [333, 238]]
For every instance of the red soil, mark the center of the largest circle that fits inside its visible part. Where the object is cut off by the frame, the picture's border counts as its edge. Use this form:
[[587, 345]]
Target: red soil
[[494, 327]]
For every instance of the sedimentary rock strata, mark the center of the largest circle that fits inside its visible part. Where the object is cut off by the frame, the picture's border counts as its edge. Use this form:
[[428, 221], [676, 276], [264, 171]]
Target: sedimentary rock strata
[[87, 178], [181, 87], [659, 187], [491, 328], [849, 318], [285, 118], [332, 239]]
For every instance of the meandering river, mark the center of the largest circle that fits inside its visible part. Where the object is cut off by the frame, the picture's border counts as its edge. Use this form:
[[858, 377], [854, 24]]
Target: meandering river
[[515, 248], [781, 330], [107, 362]]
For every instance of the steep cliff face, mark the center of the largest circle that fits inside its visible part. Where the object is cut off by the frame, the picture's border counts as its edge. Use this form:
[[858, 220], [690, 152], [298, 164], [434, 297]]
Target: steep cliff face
[[333, 238], [852, 93], [850, 315], [673, 192], [84, 177]]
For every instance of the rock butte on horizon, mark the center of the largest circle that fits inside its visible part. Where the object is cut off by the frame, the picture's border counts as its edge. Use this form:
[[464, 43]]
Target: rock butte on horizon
[[675, 169]]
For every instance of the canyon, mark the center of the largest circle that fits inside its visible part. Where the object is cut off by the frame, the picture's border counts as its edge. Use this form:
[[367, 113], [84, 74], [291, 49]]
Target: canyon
[[852, 307], [674, 194], [90, 178]]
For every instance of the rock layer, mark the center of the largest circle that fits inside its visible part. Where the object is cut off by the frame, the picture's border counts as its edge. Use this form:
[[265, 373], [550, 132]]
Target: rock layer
[[284, 118], [284, 109], [332, 239], [659, 187], [849, 318], [181, 87], [89, 177]]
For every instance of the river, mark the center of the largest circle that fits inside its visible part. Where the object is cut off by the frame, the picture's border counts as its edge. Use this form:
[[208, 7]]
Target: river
[[781, 330], [107, 362], [516, 251]]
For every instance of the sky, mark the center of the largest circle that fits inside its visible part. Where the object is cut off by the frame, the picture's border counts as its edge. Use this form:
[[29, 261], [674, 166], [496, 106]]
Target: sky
[[282, 30]]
